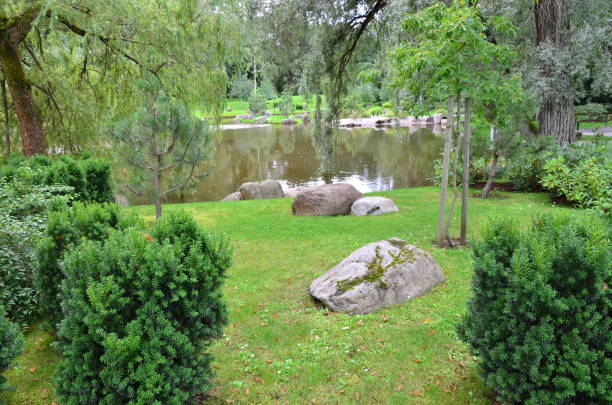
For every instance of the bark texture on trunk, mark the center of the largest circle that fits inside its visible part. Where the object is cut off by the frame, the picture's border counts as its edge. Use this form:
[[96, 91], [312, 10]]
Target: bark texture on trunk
[[556, 114], [28, 116], [445, 169], [5, 109], [465, 183]]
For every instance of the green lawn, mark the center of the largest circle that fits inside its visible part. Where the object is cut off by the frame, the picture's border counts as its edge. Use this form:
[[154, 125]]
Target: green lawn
[[281, 348], [594, 124]]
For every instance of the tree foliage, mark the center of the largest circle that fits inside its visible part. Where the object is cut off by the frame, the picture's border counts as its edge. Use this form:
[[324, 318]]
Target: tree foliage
[[164, 143]]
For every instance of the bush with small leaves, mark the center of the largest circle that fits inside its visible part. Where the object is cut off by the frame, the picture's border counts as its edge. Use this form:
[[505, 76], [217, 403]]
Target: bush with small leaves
[[11, 344], [539, 318], [140, 311], [23, 214], [65, 229]]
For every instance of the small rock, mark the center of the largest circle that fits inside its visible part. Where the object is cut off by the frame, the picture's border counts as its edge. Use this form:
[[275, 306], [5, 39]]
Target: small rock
[[373, 206], [378, 275], [289, 121], [233, 197], [261, 190]]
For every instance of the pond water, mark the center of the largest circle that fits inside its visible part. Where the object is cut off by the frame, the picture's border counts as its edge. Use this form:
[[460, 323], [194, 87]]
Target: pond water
[[369, 159]]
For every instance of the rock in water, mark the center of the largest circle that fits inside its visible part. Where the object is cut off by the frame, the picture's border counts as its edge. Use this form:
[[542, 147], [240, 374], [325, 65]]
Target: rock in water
[[373, 206], [233, 197], [326, 200], [261, 190], [378, 275]]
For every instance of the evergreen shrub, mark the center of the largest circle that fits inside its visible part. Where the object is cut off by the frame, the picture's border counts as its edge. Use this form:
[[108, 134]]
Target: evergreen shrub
[[539, 318], [11, 345], [140, 312], [65, 229], [23, 215]]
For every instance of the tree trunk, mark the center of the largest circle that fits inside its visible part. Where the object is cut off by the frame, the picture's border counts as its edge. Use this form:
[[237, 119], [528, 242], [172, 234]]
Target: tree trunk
[[445, 165], [556, 114], [5, 109], [492, 172], [28, 115], [465, 184], [157, 185]]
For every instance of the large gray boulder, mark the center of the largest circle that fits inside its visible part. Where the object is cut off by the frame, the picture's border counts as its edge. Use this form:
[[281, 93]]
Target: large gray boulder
[[326, 200], [378, 275], [293, 192], [236, 196], [261, 190], [373, 206]]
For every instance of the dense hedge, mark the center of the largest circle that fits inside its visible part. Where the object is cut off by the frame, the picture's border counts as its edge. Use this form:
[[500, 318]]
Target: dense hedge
[[65, 229], [11, 344], [90, 178], [23, 214], [539, 319], [140, 312]]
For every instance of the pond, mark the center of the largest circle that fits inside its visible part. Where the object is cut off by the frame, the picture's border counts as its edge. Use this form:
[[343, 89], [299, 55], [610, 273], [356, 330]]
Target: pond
[[369, 159]]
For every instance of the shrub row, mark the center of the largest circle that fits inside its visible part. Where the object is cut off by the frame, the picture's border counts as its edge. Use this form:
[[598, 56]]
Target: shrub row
[[23, 215], [539, 319], [89, 177], [11, 344]]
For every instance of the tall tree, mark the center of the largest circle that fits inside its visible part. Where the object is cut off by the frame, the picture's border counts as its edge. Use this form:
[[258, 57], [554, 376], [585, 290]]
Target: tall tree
[[553, 36], [449, 56], [69, 63]]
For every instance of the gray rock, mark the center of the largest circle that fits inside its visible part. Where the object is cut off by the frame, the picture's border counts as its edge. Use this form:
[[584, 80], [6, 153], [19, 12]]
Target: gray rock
[[289, 121], [378, 275], [373, 206], [245, 117], [261, 120], [267, 113], [326, 200], [293, 192], [261, 190], [233, 197]]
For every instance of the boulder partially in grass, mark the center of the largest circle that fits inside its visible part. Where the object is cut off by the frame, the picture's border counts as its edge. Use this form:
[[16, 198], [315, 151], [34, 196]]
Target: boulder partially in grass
[[378, 275], [373, 206], [326, 200]]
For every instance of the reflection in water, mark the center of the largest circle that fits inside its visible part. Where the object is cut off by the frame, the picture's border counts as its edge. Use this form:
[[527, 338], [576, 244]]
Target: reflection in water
[[370, 159]]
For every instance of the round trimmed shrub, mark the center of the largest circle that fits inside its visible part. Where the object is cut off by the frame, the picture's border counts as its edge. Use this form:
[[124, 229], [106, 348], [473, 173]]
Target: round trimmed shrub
[[539, 319], [65, 229], [11, 345], [140, 312]]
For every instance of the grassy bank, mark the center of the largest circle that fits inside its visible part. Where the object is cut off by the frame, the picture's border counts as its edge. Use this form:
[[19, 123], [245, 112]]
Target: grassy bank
[[280, 347]]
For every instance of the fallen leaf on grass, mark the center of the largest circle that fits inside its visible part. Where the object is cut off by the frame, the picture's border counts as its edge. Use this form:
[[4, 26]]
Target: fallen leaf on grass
[[399, 388], [385, 318], [416, 394], [258, 379], [357, 396], [417, 361], [33, 369]]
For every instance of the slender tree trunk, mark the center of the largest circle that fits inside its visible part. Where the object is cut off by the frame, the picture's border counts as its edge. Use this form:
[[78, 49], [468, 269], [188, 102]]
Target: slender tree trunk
[[5, 109], [492, 172], [445, 166], [556, 114], [465, 184], [157, 185], [28, 115]]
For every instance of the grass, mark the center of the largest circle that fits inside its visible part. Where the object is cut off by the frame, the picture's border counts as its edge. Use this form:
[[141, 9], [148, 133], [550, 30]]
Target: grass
[[593, 124], [282, 348]]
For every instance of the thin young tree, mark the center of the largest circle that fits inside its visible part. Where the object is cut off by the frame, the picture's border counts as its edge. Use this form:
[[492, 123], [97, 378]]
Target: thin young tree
[[450, 57], [165, 144]]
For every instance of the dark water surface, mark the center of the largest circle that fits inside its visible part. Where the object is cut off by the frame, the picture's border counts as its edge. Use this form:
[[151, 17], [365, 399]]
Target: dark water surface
[[369, 159]]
